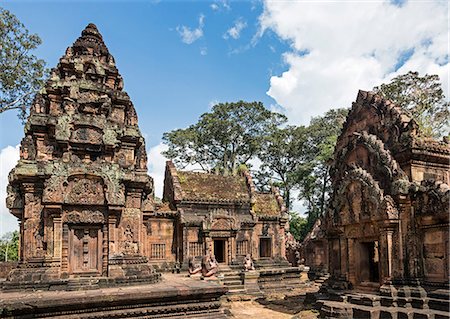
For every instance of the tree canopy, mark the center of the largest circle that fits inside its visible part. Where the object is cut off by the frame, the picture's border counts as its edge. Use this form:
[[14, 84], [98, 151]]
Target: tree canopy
[[282, 152], [21, 72], [223, 139], [423, 97]]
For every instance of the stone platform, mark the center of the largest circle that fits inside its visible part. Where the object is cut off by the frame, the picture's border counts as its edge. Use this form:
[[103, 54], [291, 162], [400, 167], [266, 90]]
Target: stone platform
[[175, 296], [410, 305]]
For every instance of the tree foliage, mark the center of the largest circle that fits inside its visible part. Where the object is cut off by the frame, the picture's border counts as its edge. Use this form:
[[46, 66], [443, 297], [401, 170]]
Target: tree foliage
[[312, 177], [298, 226], [282, 154], [9, 246], [223, 139], [21, 72], [423, 98]]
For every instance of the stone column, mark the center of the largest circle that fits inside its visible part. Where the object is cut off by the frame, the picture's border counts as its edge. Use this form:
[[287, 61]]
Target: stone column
[[112, 231], [21, 240], [57, 237], [105, 250], [65, 248], [389, 233], [351, 261], [31, 222], [186, 244]]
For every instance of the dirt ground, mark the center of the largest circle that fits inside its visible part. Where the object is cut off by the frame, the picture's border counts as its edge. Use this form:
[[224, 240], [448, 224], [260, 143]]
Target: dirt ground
[[254, 309]]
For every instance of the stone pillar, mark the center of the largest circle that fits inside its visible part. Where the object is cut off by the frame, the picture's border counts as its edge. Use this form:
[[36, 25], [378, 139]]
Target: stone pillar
[[57, 237], [65, 249], [251, 283], [351, 276], [186, 244], [32, 234], [113, 212], [232, 249], [105, 250], [20, 240], [282, 243], [390, 254]]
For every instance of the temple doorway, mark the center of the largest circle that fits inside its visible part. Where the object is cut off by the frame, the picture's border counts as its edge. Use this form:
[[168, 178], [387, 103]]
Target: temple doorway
[[219, 250], [85, 250], [369, 262], [265, 247]]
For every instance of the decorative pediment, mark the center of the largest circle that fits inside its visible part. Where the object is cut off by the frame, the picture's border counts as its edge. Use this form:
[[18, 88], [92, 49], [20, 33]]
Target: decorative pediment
[[82, 190], [222, 224]]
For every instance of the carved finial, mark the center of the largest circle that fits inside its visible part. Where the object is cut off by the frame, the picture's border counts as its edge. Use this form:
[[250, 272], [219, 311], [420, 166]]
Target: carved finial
[[91, 42], [91, 31]]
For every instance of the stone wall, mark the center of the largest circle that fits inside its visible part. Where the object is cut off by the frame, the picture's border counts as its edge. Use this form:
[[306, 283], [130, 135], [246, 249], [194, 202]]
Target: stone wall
[[6, 267]]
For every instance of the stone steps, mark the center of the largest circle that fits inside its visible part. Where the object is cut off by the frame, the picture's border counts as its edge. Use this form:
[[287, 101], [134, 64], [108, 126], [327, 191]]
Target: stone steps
[[336, 309], [233, 281]]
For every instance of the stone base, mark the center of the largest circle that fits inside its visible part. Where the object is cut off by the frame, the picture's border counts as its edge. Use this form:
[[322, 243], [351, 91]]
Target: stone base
[[251, 283], [33, 273], [129, 267], [174, 297], [280, 279], [124, 270]]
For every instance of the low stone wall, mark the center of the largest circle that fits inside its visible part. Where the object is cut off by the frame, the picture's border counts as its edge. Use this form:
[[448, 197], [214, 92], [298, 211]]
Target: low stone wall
[[174, 297], [6, 267]]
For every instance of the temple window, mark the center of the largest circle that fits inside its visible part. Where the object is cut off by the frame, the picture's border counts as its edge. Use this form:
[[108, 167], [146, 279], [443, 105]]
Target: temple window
[[242, 248], [158, 251]]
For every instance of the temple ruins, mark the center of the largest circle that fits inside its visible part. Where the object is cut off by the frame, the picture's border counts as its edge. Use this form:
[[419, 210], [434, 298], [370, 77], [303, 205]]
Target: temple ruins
[[89, 219]]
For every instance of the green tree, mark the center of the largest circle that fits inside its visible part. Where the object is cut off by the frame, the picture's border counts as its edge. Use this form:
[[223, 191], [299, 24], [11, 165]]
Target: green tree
[[423, 98], [21, 72], [9, 246], [281, 154], [312, 175], [298, 226], [223, 139]]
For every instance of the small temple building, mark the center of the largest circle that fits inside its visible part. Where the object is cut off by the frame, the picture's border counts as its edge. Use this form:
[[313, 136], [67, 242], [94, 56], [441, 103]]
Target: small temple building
[[225, 215], [388, 222]]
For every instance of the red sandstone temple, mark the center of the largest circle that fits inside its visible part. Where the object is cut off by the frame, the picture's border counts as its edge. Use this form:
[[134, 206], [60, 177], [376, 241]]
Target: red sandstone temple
[[389, 219], [86, 203]]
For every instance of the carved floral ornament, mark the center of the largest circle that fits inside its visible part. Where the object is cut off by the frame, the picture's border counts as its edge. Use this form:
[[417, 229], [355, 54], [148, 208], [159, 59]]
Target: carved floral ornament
[[84, 217], [220, 219]]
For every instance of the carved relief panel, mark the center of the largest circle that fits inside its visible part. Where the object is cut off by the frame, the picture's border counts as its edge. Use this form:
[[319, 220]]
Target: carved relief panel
[[82, 190]]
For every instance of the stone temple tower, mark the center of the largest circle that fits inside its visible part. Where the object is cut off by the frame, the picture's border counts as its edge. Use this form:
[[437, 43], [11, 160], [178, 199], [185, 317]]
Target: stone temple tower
[[81, 186]]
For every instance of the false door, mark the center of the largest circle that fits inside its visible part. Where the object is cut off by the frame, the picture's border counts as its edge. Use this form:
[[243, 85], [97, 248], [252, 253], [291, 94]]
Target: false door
[[85, 250]]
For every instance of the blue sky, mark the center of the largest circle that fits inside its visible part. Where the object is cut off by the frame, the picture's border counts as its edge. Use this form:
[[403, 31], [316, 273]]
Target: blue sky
[[178, 58], [170, 82]]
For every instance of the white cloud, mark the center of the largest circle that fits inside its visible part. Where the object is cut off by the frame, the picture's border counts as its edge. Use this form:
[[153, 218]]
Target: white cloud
[[235, 31], [340, 47], [219, 5], [8, 159], [189, 35], [204, 51], [157, 166]]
